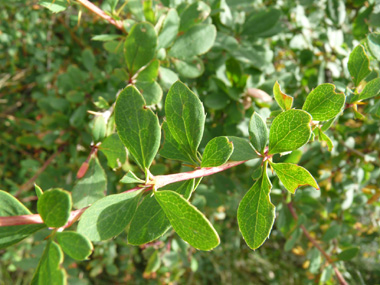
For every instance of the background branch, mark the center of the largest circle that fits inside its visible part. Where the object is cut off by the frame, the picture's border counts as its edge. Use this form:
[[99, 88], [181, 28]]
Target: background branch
[[339, 275]]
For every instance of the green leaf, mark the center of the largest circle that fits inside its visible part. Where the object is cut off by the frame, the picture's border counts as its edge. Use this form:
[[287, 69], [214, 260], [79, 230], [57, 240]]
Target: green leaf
[[151, 91], [75, 245], [55, 6], [150, 222], [99, 128], [332, 232], [10, 235], [294, 157], [137, 126], [148, 11], [284, 101], [169, 29], [91, 187], [154, 263], [235, 73], [78, 116], [360, 26], [375, 109], [371, 89], [147, 85], [194, 14], [374, 44], [293, 176], [196, 41], [49, 269], [217, 152], [54, 207], [38, 190], [187, 221], [172, 149], [264, 23], [291, 241], [106, 37], [109, 216], [191, 68], [336, 11], [114, 150], [10, 206], [258, 132], [88, 59], [324, 138], [140, 46], [150, 72], [358, 64], [348, 253], [328, 124], [323, 103], [256, 213], [130, 177], [243, 150], [185, 117], [167, 78], [290, 130]]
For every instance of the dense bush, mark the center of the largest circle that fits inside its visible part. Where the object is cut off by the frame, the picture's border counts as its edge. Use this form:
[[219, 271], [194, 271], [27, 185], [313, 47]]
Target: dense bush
[[250, 99]]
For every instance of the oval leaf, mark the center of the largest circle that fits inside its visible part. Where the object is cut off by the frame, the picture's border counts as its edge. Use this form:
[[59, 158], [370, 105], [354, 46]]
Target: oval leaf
[[217, 152], [140, 46], [114, 150], [188, 222], [91, 187], [290, 130], [323, 103], [374, 44], [194, 14], [258, 132], [371, 89], [348, 253], [149, 222], [358, 64], [284, 101], [293, 176], [109, 216], [172, 149], [54, 207], [256, 213], [243, 150], [264, 23], [49, 269], [137, 126], [185, 117], [169, 29], [196, 41], [75, 245], [191, 68], [130, 177]]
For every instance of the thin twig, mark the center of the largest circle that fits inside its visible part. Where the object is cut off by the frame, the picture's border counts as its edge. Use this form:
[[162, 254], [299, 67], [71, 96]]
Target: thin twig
[[339, 275], [36, 219], [102, 14], [162, 180], [27, 185]]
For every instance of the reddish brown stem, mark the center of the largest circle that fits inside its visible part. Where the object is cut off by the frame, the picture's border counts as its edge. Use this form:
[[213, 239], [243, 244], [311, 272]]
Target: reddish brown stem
[[159, 181], [162, 180], [36, 219], [339, 275], [94, 9]]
